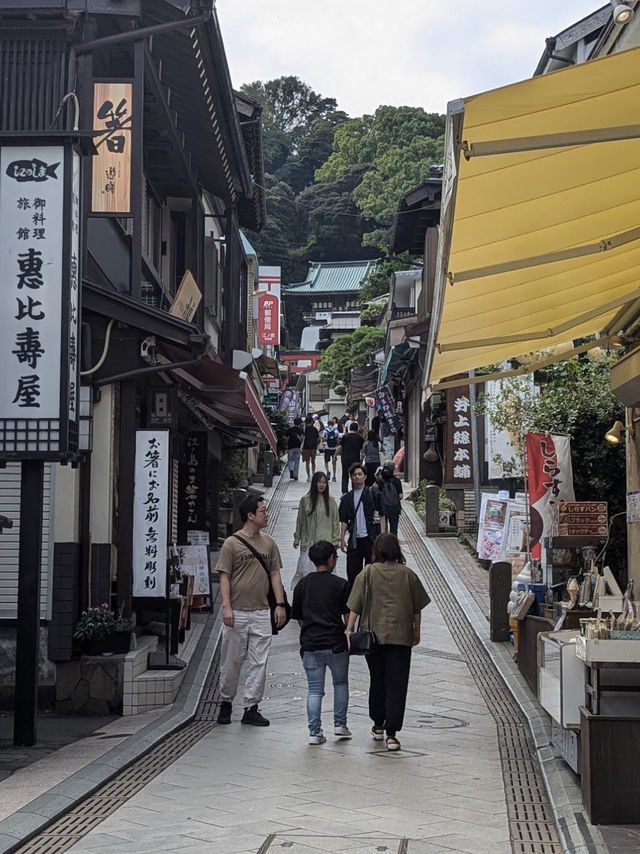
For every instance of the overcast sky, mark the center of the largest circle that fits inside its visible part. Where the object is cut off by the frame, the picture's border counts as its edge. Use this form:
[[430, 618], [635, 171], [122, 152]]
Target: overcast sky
[[364, 53]]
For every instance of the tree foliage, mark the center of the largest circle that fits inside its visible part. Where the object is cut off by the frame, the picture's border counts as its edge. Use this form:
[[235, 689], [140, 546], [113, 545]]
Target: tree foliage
[[348, 352]]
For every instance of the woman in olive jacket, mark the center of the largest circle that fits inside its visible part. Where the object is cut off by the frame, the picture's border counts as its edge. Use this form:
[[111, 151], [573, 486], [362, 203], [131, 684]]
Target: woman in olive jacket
[[396, 600]]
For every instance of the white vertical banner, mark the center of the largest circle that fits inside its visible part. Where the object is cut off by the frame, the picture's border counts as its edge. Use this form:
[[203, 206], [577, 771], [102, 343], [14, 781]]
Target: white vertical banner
[[150, 513], [74, 290]]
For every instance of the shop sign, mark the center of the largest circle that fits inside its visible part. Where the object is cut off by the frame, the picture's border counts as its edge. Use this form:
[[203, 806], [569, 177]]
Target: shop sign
[[582, 519], [150, 513], [387, 406], [187, 298], [458, 450], [194, 560], [192, 485], [550, 480], [290, 402], [40, 299], [268, 305], [113, 122]]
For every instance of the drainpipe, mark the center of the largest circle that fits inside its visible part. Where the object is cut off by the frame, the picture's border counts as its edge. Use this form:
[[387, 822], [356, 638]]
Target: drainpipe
[[141, 33]]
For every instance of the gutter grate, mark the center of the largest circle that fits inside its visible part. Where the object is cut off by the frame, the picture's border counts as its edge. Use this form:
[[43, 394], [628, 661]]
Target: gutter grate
[[531, 823]]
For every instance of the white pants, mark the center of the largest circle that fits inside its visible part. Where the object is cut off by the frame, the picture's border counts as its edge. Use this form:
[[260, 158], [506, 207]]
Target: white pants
[[249, 638]]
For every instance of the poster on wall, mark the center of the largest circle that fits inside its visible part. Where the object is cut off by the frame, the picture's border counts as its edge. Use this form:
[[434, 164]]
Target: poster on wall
[[194, 561], [150, 513], [492, 527]]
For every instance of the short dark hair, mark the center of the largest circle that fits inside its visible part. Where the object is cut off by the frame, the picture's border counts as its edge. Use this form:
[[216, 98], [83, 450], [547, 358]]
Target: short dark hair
[[353, 426], [355, 466], [249, 505], [386, 548], [320, 552]]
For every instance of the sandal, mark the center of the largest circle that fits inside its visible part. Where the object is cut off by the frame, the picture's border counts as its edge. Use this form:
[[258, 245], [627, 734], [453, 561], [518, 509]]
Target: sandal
[[393, 744], [377, 733]]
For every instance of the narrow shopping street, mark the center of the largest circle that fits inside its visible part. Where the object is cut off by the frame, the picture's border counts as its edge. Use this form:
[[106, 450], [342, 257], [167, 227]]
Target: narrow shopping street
[[457, 784]]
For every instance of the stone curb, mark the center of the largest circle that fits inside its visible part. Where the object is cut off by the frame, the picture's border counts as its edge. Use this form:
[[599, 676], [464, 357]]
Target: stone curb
[[38, 814], [577, 835]]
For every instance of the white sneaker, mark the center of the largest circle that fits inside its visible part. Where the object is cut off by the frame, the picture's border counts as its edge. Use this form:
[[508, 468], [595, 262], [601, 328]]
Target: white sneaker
[[317, 739], [342, 731]]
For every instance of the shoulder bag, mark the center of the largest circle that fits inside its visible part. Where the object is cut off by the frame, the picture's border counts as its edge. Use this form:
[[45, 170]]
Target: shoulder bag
[[363, 641], [271, 596]]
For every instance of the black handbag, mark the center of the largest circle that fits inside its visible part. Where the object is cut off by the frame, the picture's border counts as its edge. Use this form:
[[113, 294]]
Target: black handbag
[[364, 641], [271, 596]]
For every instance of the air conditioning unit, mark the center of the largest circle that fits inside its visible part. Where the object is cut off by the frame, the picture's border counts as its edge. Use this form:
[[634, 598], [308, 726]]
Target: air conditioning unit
[[625, 379]]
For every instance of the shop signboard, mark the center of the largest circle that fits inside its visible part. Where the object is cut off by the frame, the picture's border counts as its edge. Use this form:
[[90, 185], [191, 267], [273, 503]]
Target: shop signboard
[[150, 513], [550, 481], [113, 124], [458, 450], [194, 560], [192, 485], [268, 305], [40, 299], [387, 406], [582, 519], [492, 527]]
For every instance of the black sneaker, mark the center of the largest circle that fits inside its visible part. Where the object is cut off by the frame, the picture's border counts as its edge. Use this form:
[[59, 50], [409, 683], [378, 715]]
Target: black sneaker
[[224, 715], [252, 716]]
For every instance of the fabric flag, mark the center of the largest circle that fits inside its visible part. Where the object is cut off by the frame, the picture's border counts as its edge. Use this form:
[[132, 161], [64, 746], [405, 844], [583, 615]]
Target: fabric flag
[[550, 478]]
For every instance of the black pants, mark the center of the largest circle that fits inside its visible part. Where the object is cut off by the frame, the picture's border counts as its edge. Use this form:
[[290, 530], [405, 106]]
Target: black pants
[[371, 472], [346, 464], [389, 671], [392, 523], [358, 557]]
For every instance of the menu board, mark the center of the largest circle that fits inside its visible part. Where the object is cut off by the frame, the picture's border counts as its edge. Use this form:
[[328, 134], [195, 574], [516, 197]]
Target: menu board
[[582, 519]]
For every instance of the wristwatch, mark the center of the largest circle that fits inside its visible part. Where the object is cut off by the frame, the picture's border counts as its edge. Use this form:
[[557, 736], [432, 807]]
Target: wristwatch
[[279, 604]]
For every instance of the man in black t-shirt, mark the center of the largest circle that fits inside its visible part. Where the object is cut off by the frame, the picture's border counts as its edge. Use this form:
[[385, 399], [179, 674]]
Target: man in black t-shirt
[[310, 446], [320, 605], [350, 450]]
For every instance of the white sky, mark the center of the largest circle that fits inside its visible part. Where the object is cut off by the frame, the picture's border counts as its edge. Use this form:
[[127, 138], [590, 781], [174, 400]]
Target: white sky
[[420, 53]]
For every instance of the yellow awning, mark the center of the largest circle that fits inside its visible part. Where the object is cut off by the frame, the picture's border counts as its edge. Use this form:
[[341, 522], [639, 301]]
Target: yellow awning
[[540, 225]]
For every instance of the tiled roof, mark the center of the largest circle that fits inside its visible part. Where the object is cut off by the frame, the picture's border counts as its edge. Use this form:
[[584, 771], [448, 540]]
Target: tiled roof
[[327, 277]]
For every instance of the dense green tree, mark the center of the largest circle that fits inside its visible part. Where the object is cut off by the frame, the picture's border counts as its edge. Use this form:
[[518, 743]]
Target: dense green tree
[[396, 145], [347, 352]]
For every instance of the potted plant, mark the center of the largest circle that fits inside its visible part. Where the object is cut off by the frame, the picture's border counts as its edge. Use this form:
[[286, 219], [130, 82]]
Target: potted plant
[[102, 632]]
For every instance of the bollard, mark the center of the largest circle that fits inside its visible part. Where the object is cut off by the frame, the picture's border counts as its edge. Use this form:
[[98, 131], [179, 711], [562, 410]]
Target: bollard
[[432, 509], [499, 589], [268, 468]]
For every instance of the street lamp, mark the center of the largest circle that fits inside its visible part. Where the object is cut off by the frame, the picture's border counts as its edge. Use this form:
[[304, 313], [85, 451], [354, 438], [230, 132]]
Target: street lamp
[[622, 13]]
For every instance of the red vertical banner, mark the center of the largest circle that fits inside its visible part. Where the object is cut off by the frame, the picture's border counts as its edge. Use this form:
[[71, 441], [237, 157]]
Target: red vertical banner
[[268, 319], [458, 446], [550, 479]]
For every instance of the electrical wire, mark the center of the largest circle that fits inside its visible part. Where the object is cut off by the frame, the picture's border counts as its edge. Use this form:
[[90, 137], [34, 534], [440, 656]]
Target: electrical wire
[[606, 542]]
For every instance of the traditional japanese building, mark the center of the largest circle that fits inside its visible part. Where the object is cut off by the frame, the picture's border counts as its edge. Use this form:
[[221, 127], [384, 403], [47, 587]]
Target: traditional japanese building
[[171, 169]]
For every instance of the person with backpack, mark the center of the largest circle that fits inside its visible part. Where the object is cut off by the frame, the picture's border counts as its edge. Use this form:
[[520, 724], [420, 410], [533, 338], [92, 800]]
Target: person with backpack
[[331, 437], [294, 443], [390, 488], [371, 456], [310, 446]]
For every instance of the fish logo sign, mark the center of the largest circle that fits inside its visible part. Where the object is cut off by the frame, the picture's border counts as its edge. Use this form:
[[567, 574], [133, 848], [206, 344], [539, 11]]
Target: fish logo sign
[[31, 170]]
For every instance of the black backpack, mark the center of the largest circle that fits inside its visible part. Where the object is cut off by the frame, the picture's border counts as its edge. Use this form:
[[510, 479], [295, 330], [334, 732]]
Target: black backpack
[[389, 495]]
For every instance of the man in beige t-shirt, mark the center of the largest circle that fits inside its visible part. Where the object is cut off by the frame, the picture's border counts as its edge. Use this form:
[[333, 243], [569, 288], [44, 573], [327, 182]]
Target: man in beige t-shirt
[[246, 631]]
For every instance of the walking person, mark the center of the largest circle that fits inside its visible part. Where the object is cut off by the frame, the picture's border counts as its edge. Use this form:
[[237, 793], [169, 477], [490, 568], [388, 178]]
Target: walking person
[[320, 607], [396, 600], [246, 630], [317, 520], [310, 446], [350, 451], [371, 456], [391, 495], [331, 436], [294, 443], [361, 521]]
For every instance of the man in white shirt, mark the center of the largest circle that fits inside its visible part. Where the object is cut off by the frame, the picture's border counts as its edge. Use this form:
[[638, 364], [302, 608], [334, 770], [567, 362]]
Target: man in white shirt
[[360, 521]]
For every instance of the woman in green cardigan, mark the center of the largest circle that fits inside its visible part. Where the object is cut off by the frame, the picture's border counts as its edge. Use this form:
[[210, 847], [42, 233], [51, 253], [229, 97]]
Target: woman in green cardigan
[[394, 606], [317, 520]]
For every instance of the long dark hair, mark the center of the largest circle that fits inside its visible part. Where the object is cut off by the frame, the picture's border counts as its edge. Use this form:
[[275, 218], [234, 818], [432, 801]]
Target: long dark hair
[[313, 492], [372, 437], [386, 549]]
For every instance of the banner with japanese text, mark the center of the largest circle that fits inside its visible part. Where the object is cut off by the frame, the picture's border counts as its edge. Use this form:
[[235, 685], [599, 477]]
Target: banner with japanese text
[[151, 513], [268, 306], [192, 486], [40, 298], [111, 168], [458, 446], [387, 406], [550, 479]]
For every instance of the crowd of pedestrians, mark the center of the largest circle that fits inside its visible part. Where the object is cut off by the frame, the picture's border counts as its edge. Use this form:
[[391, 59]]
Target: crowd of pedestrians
[[380, 592]]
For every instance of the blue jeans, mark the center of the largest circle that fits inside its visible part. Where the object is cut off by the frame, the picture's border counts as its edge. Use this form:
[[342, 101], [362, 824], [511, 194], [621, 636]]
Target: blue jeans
[[315, 665], [293, 461]]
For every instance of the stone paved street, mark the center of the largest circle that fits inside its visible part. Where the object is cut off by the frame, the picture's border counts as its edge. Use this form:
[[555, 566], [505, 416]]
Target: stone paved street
[[242, 790]]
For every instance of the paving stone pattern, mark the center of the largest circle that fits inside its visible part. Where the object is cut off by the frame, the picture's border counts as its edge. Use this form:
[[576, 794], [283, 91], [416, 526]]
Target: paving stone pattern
[[245, 790]]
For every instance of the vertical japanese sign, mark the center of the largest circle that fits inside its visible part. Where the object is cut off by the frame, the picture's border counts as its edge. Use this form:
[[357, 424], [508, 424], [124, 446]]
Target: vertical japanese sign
[[112, 119], [269, 286], [150, 513], [458, 438], [388, 408], [290, 402], [192, 486], [550, 479], [39, 299]]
